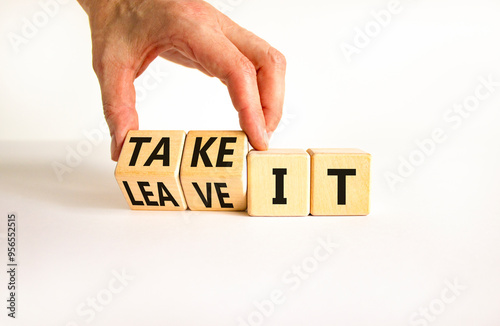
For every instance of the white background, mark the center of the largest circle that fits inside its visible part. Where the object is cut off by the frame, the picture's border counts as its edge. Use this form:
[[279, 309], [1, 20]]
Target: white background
[[440, 224]]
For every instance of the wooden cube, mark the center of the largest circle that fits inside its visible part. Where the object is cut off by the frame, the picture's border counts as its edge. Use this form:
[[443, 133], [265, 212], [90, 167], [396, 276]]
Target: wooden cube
[[340, 182], [213, 172], [148, 170], [278, 182]]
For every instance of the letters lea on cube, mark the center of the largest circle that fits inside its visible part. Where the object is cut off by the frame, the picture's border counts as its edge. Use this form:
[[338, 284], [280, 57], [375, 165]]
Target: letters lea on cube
[[148, 170], [206, 170]]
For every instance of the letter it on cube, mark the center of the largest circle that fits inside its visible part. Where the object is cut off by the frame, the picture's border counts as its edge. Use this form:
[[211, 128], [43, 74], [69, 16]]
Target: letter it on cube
[[148, 170], [213, 170], [278, 182], [340, 182]]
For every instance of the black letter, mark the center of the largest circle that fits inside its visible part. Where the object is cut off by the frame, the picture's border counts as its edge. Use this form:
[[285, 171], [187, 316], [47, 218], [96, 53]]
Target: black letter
[[223, 151], [146, 194], [138, 144], [163, 189], [341, 181], [203, 152], [165, 143], [280, 187], [131, 196], [222, 195], [206, 201]]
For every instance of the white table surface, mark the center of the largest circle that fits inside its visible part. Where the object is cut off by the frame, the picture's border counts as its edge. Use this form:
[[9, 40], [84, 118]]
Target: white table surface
[[193, 268]]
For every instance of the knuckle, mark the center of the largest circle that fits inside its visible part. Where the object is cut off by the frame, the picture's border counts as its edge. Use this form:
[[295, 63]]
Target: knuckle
[[243, 112], [246, 67], [100, 63], [108, 60], [276, 58], [242, 68], [188, 11], [110, 111], [98, 66]]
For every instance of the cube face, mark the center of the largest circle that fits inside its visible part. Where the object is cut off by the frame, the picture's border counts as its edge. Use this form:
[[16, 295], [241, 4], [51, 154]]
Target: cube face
[[213, 170], [148, 170], [340, 182], [278, 182]]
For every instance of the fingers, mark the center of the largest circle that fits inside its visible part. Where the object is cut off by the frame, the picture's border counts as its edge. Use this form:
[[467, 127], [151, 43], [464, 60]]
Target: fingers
[[223, 60], [270, 65], [118, 99], [271, 79], [176, 57]]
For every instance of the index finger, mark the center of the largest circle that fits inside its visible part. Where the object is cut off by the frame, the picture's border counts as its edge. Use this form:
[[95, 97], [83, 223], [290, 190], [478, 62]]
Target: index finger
[[221, 58], [270, 65]]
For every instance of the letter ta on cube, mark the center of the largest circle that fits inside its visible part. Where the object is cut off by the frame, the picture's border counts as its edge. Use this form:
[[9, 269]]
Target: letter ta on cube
[[148, 170], [205, 170]]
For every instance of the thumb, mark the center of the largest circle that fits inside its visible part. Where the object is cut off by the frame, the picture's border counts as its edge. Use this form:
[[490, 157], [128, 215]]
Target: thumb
[[118, 99]]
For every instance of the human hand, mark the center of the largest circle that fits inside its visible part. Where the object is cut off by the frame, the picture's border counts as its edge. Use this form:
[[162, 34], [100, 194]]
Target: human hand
[[127, 35]]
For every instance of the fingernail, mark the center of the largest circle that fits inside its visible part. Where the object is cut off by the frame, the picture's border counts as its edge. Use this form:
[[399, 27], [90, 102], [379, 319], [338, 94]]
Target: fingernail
[[265, 137], [113, 146], [269, 135]]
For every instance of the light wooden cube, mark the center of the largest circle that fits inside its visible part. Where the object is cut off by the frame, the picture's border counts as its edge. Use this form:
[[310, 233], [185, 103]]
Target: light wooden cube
[[340, 182], [148, 170], [213, 171], [278, 182]]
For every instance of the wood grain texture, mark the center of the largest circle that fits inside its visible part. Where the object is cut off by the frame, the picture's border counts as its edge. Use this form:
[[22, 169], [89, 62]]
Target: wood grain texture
[[148, 170], [271, 192], [213, 170], [328, 166]]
